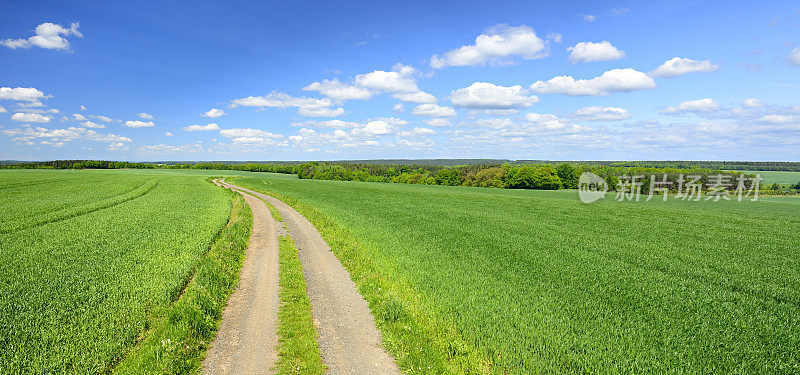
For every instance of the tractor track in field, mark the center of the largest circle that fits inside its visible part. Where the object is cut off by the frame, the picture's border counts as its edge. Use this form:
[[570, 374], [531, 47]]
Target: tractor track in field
[[247, 339], [69, 213], [349, 341]]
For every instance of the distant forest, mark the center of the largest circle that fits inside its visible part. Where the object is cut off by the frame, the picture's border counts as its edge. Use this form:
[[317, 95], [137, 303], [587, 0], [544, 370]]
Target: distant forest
[[532, 174]]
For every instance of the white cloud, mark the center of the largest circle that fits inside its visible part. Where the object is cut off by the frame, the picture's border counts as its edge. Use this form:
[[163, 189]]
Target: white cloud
[[168, 134], [139, 124], [377, 127], [305, 106], [417, 132], [28, 94], [616, 80], [79, 117], [602, 114], [145, 116], [3, 110], [416, 97], [778, 119], [550, 122], [438, 122], [398, 107], [28, 133], [340, 91], [251, 136], [90, 124], [320, 112], [589, 52], [498, 45], [53, 110], [83, 108], [48, 35], [29, 117], [794, 57], [752, 103], [101, 118], [399, 80], [555, 37], [214, 113], [333, 124], [677, 66], [485, 95], [198, 128], [590, 18], [433, 110], [116, 146], [700, 105]]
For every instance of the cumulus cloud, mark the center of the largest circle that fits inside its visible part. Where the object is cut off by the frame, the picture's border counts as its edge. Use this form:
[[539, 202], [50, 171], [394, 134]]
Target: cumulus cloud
[[168, 134], [602, 114], [500, 44], [590, 18], [214, 113], [417, 132], [101, 118], [25, 94], [678, 66], [794, 57], [399, 80], [433, 110], [139, 124], [305, 106], [340, 91], [199, 128], [416, 97], [333, 124], [438, 122], [83, 108], [29, 117], [700, 105], [28, 133], [483, 95], [48, 35], [251, 136], [79, 117], [546, 120], [589, 52], [752, 103], [616, 80], [90, 124], [555, 37], [145, 116]]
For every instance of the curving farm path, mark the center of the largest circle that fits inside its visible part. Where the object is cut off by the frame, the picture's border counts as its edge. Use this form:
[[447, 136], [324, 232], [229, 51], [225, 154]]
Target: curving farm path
[[349, 341], [247, 338]]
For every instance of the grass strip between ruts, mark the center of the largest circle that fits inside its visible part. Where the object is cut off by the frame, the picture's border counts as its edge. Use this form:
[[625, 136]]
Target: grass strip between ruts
[[418, 339], [179, 334], [298, 349]]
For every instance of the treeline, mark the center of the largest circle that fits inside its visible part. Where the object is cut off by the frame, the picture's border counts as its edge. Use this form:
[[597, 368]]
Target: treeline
[[78, 164], [541, 176], [715, 165]]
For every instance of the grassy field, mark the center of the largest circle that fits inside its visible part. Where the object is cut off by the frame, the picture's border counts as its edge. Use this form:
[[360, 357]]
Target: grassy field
[[535, 281], [87, 256], [779, 177]]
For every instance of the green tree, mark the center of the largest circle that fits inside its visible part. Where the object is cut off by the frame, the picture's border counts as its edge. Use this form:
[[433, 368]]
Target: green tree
[[568, 174]]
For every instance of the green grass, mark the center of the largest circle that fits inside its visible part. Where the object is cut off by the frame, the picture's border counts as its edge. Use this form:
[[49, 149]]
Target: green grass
[[180, 334], [298, 350], [492, 280], [87, 257], [779, 177]]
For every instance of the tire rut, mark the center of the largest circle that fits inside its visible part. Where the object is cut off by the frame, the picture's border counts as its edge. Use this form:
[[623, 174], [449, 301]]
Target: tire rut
[[349, 341]]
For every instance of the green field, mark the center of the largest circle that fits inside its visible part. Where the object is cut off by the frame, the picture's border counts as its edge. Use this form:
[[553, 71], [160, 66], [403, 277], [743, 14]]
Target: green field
[[85, 256], [779, 177], [535, 281]]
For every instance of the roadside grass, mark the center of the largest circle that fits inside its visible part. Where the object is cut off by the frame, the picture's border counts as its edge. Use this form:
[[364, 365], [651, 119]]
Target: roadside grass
[[180, 333], [492, 280], [421, 341], [298, 349]]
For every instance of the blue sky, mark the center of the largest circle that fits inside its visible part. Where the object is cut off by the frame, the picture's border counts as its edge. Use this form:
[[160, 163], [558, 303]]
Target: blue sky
[[678, 80]]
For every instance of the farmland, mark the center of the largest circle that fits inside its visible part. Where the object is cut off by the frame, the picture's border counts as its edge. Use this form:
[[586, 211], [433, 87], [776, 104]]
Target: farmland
[[86, 256], [537, 281]]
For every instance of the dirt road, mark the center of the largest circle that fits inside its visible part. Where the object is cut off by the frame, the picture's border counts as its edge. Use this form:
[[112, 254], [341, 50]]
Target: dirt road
[[349, 341], [247, 337]]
